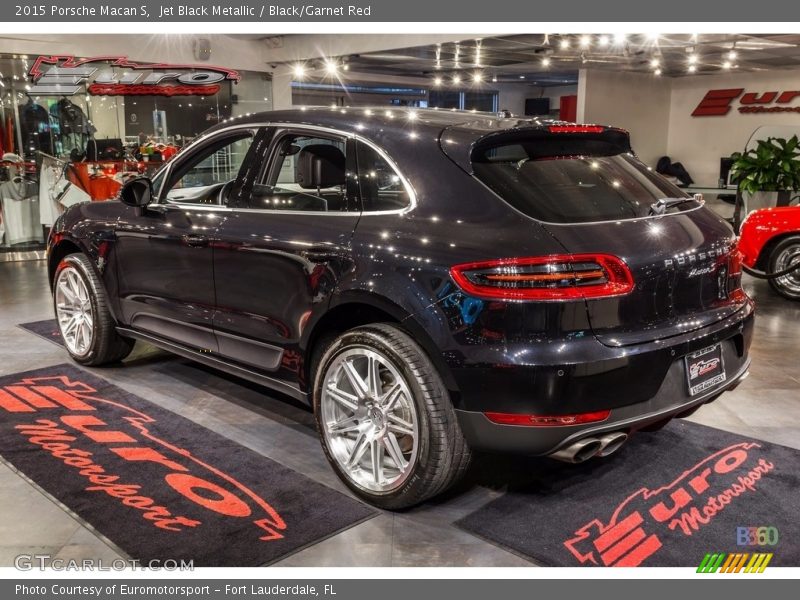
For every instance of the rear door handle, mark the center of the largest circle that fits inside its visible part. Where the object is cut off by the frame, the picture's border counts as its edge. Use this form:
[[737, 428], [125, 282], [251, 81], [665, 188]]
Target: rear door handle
[[196, 241]]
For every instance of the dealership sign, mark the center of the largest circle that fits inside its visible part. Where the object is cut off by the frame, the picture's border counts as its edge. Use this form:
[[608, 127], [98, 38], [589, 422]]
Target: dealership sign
[[66, 75], [717, 103]]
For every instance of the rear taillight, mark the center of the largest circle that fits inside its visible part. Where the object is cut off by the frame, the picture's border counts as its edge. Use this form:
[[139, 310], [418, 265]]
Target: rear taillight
[[545, 278], [734, 283], [576, 129], [547, 420]]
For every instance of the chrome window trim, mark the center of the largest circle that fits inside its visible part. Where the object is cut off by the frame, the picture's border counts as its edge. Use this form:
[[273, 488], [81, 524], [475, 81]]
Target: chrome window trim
[[412, 195]]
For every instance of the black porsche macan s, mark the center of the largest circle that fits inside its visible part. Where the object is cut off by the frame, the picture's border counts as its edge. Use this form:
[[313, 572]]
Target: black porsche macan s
[[430, 282]]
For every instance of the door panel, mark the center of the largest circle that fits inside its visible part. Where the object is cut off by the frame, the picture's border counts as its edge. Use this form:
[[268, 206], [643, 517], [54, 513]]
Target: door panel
[[275, 268], [166, 279]]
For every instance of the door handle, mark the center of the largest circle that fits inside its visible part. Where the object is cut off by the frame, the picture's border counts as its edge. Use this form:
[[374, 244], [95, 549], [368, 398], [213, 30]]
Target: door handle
[[195, 241]]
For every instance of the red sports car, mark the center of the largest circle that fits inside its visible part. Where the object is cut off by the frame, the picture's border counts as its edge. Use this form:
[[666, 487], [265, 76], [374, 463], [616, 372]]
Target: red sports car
[[770, 241]]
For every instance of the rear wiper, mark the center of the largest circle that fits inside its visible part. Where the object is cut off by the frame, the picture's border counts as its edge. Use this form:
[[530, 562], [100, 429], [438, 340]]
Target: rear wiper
[[661, 206]]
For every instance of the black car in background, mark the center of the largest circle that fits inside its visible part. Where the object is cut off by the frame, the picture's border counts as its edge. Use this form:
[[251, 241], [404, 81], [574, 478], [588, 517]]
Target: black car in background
[[430, 282]]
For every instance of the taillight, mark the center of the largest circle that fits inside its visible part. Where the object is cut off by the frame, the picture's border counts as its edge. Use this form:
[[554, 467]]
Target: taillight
[[734, 283], [547, 420], [545, 278], [576, 129]]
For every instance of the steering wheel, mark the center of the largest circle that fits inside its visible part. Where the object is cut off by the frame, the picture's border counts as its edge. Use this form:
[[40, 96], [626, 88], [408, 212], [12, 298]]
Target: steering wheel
[[224, 190]]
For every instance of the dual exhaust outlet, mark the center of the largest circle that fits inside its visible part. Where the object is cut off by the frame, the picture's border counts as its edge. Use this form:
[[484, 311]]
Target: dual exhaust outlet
[[589, 447]]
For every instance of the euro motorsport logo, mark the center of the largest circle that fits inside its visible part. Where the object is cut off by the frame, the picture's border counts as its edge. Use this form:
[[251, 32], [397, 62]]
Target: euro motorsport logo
[[738, 562]]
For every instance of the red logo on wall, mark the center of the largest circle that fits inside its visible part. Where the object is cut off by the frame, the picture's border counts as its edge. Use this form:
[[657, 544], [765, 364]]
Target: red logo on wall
[[718, 103], [643, 523], [64, 75], [67, 422]]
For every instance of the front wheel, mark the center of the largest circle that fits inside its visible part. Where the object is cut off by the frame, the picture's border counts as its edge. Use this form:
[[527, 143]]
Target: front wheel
[[385, 419], [84, 319], [783, 256]]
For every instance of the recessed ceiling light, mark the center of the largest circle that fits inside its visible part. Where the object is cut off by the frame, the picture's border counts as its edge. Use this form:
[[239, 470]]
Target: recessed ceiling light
[[331, 67], [477, 77], [692, 68], [732, 55], [586, 41], [655, 63], [299, 71], [437, 81], [657, 71], [456, 78], [693, 59], [546, 61], [727, 64], [602, 41], [522, 76], [619, 38], [564, 43], [653, 37]]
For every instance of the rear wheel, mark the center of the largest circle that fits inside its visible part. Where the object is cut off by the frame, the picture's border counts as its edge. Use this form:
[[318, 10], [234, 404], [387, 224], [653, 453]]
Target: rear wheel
[[84, 320], [385, 419], [783, 256]]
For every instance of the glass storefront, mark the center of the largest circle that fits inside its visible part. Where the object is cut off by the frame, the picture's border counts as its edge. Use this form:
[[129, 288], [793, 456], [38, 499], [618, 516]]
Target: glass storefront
[[80, 143]]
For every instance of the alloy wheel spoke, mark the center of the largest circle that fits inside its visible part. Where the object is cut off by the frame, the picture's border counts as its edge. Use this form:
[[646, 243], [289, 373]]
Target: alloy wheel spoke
[[394, 452], [71, 325], [69, 296], [359, 448], [377, 460], [391, 397], [343, 426], [360, 386], [349, 401], [373, 377], [399, 425]]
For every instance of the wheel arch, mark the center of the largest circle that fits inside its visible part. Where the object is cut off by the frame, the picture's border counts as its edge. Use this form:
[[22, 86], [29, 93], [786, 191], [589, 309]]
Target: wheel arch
[[356, 309], [58, 252], [762, 263]]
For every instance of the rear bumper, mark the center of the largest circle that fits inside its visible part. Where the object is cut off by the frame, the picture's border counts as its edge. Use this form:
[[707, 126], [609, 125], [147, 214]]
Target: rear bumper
[[631, 411]]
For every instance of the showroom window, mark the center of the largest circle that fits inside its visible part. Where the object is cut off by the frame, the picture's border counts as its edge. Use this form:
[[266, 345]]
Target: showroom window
[[381, 186], [486, 101]]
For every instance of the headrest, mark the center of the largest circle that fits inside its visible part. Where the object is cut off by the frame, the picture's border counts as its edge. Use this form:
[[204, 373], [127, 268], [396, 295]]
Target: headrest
[[320, 166]]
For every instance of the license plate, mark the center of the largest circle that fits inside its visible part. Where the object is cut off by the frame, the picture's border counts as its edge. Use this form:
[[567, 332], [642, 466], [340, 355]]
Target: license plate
[[704, 369]]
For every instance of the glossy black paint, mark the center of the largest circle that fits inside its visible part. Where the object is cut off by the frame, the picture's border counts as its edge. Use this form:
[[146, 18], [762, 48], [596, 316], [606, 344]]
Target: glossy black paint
[[255, 289]]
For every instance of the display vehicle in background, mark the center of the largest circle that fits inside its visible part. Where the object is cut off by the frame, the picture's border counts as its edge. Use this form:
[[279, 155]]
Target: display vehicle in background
[[431, 283], [770, 242]]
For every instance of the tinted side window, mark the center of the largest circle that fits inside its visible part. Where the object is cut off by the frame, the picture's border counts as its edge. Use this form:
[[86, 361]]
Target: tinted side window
[[308, 173], [202, 178], [381, 186]]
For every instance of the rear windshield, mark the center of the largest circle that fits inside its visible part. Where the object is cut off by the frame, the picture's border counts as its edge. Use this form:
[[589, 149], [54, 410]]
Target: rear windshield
[[577, 188]]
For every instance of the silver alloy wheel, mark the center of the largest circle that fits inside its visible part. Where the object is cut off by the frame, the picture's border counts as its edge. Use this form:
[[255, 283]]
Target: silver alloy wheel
[[370, 420], [789, 256], [74, 311]]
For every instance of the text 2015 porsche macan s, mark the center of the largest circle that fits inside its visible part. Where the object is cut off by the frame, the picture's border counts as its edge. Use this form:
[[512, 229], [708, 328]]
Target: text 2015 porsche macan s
[[431, 282]]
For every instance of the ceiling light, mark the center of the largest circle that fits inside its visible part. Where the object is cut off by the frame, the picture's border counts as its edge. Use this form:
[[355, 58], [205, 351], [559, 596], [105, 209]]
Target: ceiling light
[[411, 115], [546, 61], [437, 81], [299, 71], [732, 55], [693, 59], [727, 64], [477, 77], [494, 78], [602, 41], [619, 38], [655, 63], [586, 41], [653, 37], [522, 76], [331, 67], [346, 67], [456, 78], [564, 43], [657, 71], [692, 68]]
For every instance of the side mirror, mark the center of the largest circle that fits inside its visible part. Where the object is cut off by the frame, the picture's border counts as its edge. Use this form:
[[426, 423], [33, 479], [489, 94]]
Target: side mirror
[[137, 192]]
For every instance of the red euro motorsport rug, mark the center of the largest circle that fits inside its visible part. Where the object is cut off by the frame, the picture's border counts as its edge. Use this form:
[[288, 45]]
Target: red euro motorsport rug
[[666, 498], [160, 486]]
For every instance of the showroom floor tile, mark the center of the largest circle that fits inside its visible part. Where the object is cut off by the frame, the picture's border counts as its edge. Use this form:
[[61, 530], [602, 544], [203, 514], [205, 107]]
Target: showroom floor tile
[[765, 406]]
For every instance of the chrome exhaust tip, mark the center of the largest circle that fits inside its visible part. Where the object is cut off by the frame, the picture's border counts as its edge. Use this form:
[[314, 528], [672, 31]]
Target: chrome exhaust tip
[[579, 451], [611, 442]]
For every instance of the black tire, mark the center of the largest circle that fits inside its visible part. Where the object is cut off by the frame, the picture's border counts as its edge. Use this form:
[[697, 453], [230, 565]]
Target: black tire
[[106, 346], [788, 286], [443, 454]]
